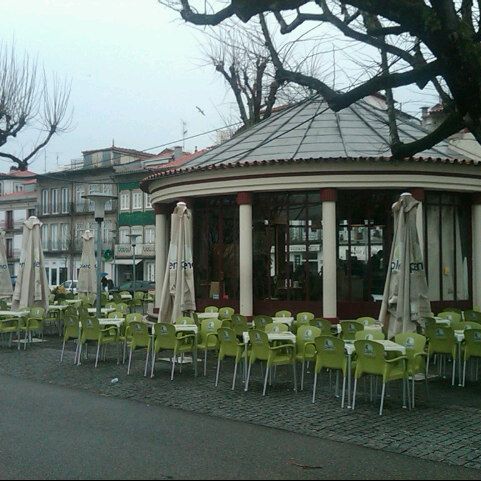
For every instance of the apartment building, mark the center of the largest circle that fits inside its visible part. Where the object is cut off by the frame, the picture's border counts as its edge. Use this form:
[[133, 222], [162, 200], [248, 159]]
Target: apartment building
[[66, 214], [18, 199]]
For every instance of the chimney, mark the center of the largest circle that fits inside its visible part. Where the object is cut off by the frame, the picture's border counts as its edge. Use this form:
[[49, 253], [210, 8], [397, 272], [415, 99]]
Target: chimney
[[424, 112], [178, 152]]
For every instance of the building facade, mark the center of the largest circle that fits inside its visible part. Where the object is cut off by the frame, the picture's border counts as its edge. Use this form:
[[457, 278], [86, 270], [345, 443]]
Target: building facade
[[295, 213], [18, 201]]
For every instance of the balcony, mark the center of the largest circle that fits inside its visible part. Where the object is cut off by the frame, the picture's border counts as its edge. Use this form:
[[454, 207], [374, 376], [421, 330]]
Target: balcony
[[141, 250], [83, 207]]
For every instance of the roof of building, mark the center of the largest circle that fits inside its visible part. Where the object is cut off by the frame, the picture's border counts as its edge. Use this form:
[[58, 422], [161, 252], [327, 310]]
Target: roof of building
[[121, 150], [311, 131]]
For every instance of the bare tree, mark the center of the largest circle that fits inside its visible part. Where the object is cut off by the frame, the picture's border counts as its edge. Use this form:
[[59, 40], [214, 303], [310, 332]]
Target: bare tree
[[425, 42], [29, 100]]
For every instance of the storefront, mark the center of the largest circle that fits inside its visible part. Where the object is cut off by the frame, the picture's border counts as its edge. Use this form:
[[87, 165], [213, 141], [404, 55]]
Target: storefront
[[286, 216]]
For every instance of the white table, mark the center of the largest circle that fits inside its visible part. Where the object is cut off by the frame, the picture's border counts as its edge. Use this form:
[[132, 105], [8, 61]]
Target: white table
[[126, 297], [57, 307], [104, 321], [283, 320], [14, 313], [442, 320], [72, 301], [208, 315], [103, 310]]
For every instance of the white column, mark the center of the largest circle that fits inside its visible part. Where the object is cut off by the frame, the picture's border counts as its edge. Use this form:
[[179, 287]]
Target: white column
[[246, 303], [161, 244], [329, 253], [476, 228]]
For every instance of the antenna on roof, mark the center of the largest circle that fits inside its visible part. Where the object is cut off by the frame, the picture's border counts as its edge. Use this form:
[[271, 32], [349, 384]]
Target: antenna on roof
[[184, 133], [113, 142]]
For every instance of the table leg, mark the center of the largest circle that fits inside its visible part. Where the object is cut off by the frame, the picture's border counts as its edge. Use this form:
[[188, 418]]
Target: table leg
[[245, 363], [195, 355], [460, 372]]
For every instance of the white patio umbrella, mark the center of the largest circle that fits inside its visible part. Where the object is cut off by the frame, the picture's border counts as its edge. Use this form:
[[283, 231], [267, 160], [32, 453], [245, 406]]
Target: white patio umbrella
[[6, 289], [405, 298], [87, 278], [178, 287], [31, 289]]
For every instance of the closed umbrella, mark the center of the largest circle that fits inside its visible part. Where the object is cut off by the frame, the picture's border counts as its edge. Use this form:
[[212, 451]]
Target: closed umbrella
[[6, 289], [178, 287], [87, 278], [405, 298], [31, 289]]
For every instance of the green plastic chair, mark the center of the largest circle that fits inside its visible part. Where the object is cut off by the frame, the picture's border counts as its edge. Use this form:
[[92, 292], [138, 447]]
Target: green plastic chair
[[10, 326], [229, 346], [239, 324], [226, 323], [261, 350], [134, 317], [463, 325], [83, 312], [137, 337], [208, 340], [349, 329], [472, 316], [427, 321], [366, 321], [116, 315], [4, 307], [371, 360], [167, 339], [330, 355], [369, 335], [122, 306], [302, 319], [92, 332], [33, 323], [415, 345], [211, 309], [451, 315], [472, 348], [260, 322], [276, 328], [112, 305], [441, 341], [137, 301], [305, 347], [226, 312], [283, 314], [323, 324], [452, 309], [116, 298], [71, 330]]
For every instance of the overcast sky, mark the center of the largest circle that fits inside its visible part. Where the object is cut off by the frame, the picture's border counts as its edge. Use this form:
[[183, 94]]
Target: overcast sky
[[136, 73]]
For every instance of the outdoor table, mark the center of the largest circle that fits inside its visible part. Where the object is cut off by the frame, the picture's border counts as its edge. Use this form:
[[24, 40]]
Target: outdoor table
[[208, 315], [57, 307], [14, 313], [126, 297], [272, 336], [103, 310], [72, 301], [104, 321], [350, 349], [283, 320]]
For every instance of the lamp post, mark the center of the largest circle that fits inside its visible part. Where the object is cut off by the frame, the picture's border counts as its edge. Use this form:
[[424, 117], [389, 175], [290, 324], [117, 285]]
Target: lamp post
[[114, 240], [99, 201], [133, 242]]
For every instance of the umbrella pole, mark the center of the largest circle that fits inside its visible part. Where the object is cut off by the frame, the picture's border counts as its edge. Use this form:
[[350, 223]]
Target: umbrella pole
[[99, 261]]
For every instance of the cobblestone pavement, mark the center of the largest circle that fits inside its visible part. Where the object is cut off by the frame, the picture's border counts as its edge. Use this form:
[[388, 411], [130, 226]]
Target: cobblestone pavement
[[445, 428]]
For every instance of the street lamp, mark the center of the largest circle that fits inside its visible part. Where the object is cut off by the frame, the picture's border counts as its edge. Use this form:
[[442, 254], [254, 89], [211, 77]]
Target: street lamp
[[114, 240], [99, 201], [133, 242]]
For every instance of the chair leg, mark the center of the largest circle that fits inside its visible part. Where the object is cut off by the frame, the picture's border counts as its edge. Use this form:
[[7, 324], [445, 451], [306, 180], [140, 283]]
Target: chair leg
[[80, 354], [294, 372], [173, 366], [343, 392], [217, 373], [205, 363], [464, 372], [413, 402], [382, 398], [63, 349], [454, 371], [130, 362], [302, 375], [268, 369], [354, 392], [314, 388], [153, 364], [248, 377], [235, 375], [97, 357]]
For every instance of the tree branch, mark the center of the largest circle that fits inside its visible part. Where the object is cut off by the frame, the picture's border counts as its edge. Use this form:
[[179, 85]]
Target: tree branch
[[299, 20]]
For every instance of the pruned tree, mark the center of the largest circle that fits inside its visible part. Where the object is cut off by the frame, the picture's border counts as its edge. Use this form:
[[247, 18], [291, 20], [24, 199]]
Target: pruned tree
[[29, 101], [424, 42]]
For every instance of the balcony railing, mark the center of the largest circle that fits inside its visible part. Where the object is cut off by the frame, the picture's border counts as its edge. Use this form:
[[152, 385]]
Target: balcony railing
[[83, 207], [141, 250]]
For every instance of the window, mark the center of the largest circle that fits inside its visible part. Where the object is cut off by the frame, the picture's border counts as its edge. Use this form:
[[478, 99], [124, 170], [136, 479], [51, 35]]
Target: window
[[18, 188], [65, 200], [80, 203], [64, 237], [45, 209], [125, 200], [150, 235], [54, 198], [53, 281], [9, 219], [123, 232], [287, 246], [139, 230], [217, 247], [148, 203], [447, 219], [54, 237], [44, 234], [108, 189], [137, 200], [9, 247], [149, 271], [30, 213]]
